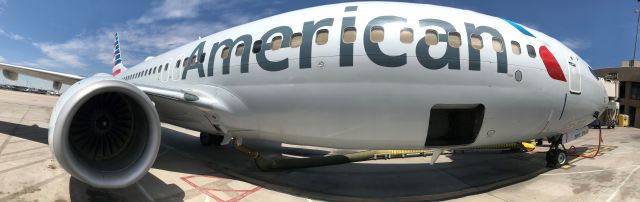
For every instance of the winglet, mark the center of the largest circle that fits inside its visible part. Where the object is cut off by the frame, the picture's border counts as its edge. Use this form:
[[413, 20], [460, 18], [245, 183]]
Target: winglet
[[118, 67]]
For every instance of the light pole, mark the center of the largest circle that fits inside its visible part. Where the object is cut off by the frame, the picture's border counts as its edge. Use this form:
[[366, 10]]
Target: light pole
[[635, 45]]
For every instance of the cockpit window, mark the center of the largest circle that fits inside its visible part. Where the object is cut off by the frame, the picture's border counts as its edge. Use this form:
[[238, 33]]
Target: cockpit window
[[531, 51], [592, 72]]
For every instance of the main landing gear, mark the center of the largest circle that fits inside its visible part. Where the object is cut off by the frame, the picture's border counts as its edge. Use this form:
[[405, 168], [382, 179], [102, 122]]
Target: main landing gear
[[556, 156], [207, 139]]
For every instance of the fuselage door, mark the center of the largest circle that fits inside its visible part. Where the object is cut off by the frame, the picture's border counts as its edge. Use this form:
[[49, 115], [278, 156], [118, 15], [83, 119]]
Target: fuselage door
[[575, 82]]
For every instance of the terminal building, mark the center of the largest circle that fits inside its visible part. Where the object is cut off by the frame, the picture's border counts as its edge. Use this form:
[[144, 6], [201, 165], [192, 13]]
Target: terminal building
[[627, 88]]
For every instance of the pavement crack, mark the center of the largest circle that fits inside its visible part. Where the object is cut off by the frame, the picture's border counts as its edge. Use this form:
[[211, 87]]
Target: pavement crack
[[22, 166], [489, 193], [32, 188], [26, 150]]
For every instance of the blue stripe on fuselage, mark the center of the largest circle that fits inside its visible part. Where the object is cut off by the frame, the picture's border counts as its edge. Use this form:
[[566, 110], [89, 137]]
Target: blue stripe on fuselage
[[519, 27]]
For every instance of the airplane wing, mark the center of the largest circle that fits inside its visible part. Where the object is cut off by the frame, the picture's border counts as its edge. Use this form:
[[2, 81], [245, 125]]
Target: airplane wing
[[11, 72]]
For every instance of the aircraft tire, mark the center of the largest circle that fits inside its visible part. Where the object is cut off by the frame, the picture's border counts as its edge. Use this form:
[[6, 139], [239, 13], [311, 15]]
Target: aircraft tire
[[207, 139], [556, 158]]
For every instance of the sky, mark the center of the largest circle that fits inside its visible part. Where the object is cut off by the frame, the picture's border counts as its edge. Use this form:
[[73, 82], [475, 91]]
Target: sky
[[76, 36]]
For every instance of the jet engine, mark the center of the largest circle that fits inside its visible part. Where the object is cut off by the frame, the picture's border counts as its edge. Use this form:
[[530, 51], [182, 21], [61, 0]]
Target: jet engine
[[105, 132]]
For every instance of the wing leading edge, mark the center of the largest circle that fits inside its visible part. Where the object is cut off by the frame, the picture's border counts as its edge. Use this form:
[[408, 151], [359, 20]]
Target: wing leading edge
[[69, 79]]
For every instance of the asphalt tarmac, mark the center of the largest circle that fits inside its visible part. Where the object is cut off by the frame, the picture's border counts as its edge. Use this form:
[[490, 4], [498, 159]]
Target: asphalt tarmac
[[187, 171]]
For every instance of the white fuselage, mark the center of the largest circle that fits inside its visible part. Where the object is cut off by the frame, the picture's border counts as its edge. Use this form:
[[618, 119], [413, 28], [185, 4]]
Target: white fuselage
[[377, 94]]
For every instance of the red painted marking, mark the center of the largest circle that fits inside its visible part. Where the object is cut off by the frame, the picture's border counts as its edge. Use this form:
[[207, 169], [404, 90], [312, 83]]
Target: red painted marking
[[116, 72], [550, 62], [208, 191]]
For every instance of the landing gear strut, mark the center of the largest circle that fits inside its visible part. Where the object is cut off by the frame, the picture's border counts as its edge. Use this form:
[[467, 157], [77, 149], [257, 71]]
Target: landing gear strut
[[556, 156], [207, 139]]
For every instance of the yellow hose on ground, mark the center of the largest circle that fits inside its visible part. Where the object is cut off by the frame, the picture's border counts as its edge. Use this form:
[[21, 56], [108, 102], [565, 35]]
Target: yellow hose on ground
[[270, 164]]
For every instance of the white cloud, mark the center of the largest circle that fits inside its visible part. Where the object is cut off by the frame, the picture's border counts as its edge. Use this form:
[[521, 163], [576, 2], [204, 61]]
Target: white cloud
[[64, 54], [2, 59], [139, 38], [170, 9], [576, 44], [10, 35]]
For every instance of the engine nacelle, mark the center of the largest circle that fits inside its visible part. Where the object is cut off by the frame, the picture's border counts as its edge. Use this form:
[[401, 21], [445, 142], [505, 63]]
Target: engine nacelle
[[105, 132]]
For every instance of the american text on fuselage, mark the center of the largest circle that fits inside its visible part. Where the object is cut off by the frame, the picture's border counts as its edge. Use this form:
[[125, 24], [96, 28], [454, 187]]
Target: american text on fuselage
[[244, 45]]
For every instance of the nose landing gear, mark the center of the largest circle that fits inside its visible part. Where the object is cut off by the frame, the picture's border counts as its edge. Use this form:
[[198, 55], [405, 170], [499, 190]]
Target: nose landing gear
[[556, 156]]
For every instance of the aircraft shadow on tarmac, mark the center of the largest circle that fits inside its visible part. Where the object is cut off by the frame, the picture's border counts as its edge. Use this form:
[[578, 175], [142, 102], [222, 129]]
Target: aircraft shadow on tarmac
[[462, 175]]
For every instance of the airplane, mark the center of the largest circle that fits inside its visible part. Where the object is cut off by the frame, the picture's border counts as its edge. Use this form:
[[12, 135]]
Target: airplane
[[360, 75]]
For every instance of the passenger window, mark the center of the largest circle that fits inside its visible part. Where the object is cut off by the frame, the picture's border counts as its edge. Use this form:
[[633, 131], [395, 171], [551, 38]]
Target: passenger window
[[178, 64], [276, 42], [454, 39], [531, 51], [476, 41], [201, 59], [257, 46], [166, 67], [497, 44], [377, 34], [406, 35], [194, 59], [225, 53], [296, 40], [349, 35], [154, 69], [240, 49], [515, 47], [184, 62], [431, 37], [322, 36]]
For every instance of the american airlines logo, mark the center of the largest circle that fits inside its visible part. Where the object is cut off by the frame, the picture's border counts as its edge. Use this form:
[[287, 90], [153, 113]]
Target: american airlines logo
[[245, 45], [116, 52]]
